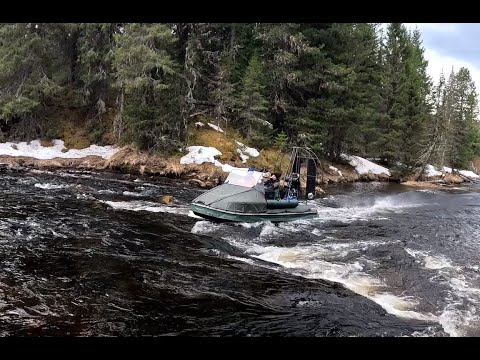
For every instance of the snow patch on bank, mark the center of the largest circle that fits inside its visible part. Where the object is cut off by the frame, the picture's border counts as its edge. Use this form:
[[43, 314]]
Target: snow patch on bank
[[200, 155], [203, 154], [35, 150], [243, 149], [335, 169], [431, 171], [215, 127], [469, 174], [247, 150], [364, 166], [242, 156]]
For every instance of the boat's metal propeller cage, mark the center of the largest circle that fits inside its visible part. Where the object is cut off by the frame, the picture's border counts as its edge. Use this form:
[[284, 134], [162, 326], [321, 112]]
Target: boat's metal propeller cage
[[302, 163]]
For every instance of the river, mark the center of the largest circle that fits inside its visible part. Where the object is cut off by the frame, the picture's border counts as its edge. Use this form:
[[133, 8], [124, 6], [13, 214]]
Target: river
[[90, 254]]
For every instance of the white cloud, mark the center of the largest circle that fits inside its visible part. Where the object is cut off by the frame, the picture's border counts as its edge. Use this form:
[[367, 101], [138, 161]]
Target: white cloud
[[437, 62], [439, 27]]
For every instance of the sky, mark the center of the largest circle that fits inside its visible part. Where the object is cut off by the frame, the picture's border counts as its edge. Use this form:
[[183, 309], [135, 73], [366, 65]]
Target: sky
[[449, 44]]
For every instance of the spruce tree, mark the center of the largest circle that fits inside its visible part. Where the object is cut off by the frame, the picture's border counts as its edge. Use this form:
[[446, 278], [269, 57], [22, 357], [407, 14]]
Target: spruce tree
[[147, 78], [253, 105]]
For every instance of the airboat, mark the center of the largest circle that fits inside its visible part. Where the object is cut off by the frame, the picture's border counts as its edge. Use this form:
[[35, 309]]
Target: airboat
[[242, 197]]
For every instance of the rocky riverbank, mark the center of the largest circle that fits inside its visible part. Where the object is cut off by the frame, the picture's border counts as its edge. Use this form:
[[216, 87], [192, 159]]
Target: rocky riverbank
[[207, 164], [207, 175]]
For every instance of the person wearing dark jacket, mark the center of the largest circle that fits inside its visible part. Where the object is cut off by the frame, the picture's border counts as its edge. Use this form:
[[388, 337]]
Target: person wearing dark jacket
[[269, 189]]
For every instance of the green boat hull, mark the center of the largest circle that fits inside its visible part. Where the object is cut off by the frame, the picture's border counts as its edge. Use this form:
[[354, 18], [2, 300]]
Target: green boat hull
[[211, 213]]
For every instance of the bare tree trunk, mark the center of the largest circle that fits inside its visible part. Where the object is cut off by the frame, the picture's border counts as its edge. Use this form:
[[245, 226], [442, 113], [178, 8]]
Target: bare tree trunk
[[74, 55], [191, 75], [233, 39], [118, 122]]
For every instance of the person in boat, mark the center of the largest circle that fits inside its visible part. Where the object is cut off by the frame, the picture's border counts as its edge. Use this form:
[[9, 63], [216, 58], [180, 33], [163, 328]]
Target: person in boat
[[276, 186], [296, 182], [271, 186], [266, 176], [268, 186]]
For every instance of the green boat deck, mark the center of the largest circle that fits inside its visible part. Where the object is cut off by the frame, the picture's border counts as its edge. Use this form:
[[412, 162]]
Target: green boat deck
[[273, 215]]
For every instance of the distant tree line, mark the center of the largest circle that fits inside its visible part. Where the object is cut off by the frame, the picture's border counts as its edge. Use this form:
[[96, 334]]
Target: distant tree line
[[337, 88]]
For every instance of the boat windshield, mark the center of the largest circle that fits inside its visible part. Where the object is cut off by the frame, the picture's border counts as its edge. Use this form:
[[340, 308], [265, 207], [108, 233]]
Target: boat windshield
[[243, 178]]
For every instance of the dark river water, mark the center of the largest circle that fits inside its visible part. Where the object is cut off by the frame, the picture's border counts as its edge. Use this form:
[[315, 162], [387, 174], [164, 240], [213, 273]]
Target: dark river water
[[86, 254]]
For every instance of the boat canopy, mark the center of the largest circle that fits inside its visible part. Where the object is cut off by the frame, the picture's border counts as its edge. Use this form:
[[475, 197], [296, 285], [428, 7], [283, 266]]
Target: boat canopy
[[245, 178], [229, 197]]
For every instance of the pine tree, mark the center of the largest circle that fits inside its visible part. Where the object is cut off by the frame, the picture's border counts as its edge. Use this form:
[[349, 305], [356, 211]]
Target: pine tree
[[448, 114], [252, 102], [30, 75], [347, 97], [395, 98], [437, 129], [337, 88], [367, 92], [147, 77], [208, 53], [418, 111], [407, 98], [283, 46], [465, 116], [222, 94], [95, 47], [340, 112]]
